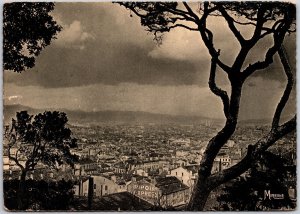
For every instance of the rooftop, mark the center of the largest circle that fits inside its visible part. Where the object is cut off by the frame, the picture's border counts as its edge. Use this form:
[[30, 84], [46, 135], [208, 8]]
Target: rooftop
[[123, 201], [169, 185]]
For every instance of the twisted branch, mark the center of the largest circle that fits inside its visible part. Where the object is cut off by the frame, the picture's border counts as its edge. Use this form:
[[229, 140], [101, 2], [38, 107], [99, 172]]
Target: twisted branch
[[216, 90], [207, 37], [289, 86], [253, 152], [279, 35], [271, 138], [230, 22]]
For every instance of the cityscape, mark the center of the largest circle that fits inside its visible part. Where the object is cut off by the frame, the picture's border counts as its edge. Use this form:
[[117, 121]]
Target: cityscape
[[153, 163], [149, 106]]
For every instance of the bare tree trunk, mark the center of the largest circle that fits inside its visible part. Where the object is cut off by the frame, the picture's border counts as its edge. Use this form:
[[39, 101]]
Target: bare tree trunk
[[207, 182], [21, 191], [199, 196], [203, 186]]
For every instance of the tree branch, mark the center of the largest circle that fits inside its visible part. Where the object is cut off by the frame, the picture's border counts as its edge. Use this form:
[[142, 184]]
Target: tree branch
[[216, 90], [30, 160], [207, 38], [264, 143], [183, 26], [253, 151], [244, 23], [14, 159], [180, 13], [279, 35], [266, 29], [288, 88], [230, 22], [259, 25], [190, 11]]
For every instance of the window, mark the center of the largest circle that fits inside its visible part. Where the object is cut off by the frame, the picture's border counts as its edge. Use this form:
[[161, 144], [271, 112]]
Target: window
[[176, 173], [105, 187], [182, 174], [94, 186]]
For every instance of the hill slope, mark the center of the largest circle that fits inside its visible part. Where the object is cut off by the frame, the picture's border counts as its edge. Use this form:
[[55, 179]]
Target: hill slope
[[82, 117]]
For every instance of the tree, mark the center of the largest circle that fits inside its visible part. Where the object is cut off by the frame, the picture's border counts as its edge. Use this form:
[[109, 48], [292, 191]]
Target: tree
[[270, 172], [43, 139], [42, 195], [267, 19], [27, 30]]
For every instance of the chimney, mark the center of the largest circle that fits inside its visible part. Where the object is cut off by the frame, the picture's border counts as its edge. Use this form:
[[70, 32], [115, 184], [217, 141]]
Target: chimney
[[90, 192], [80, 188]]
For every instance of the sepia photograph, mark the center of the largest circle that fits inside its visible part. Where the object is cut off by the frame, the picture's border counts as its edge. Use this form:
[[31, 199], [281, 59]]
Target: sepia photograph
[[149, 106]]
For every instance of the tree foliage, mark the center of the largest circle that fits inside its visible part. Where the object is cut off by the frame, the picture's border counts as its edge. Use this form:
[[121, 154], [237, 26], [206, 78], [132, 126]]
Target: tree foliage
[[263, 19], [40, 195], [270, 172], [27, 29], [43, 138], [161, 17]]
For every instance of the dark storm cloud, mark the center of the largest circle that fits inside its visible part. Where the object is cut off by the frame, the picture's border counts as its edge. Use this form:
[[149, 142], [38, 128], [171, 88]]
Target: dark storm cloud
[[101, 43], [103, 50], [64, 68]]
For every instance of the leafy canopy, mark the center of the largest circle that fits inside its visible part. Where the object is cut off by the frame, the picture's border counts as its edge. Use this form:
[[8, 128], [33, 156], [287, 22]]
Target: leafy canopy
[[270, 172], [27, 29], [161, 17], [43, 138]]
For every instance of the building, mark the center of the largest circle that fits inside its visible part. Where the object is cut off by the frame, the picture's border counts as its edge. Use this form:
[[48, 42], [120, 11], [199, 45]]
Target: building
[[87, 163], [181, 142], [144, 189], [140, 172], [181, 153], [120, 167], [6, 163], [173, 192], [102, 186], [81, 187], [147, 165], [186, 174], [230, 143], [161, 191], [221, 162], [123, 201]]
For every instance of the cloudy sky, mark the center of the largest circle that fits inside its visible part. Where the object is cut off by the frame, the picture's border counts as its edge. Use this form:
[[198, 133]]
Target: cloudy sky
[[104, 60]]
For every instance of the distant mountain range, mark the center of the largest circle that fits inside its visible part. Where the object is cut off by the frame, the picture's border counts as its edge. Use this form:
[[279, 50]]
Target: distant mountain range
[[131, 117]]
